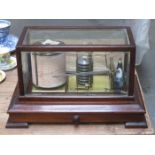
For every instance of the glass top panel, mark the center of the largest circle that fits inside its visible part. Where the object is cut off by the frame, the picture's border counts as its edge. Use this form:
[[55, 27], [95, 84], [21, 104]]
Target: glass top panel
[[78, 36]]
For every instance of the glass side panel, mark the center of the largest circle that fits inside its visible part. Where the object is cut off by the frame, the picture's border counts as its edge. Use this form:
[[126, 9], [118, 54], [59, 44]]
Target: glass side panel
[[26, 70], [78, 36], [76, 73]]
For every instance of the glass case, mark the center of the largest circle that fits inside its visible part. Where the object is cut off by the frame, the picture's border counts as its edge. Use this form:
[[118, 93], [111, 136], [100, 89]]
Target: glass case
[[67, 67], [78, 71]]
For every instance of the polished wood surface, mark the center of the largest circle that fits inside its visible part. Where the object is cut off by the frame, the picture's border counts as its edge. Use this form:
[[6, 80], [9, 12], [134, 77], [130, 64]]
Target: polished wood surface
[[130, 113]]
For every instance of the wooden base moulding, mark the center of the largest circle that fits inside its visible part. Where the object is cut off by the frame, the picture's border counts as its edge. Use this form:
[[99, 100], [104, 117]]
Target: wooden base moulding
[[130, 111]]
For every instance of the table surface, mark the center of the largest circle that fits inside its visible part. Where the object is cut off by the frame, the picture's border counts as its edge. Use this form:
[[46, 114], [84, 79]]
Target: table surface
[[6, 91]]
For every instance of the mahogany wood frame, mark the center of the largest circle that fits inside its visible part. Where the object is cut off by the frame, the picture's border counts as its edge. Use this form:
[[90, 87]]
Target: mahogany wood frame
[[77, 109]]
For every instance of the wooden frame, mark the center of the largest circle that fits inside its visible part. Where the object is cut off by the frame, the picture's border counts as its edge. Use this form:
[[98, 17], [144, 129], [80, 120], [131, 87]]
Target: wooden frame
[[77, 109]]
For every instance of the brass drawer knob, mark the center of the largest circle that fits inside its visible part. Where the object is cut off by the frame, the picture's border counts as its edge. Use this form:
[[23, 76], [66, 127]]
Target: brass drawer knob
[[76, 119]]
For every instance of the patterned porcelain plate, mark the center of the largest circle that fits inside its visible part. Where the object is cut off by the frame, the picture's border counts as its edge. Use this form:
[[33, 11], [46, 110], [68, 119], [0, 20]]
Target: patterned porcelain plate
[[10, 42], [2, 76], [11, 65]]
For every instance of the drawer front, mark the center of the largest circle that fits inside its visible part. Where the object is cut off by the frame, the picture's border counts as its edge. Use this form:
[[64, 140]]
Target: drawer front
[[75, 118]]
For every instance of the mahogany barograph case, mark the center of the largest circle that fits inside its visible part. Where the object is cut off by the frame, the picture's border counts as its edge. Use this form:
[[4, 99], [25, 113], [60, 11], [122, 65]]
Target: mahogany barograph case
[[80, 74]]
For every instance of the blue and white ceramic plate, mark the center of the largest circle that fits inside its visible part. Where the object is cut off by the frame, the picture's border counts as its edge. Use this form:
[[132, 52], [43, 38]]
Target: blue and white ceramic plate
[[10, 42], [11, 65]]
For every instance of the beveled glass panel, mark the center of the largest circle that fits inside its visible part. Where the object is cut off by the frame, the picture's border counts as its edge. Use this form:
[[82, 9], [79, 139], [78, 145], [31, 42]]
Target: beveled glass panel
[[76, 73], [78, 36]]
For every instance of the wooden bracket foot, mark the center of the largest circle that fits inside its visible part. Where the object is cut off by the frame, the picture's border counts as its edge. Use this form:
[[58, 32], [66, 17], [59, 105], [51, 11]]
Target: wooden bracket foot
[[135, 125], [16, 124]]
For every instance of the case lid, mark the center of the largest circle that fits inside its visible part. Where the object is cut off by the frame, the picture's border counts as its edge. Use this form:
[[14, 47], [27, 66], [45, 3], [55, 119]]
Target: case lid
[[79, 35]]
